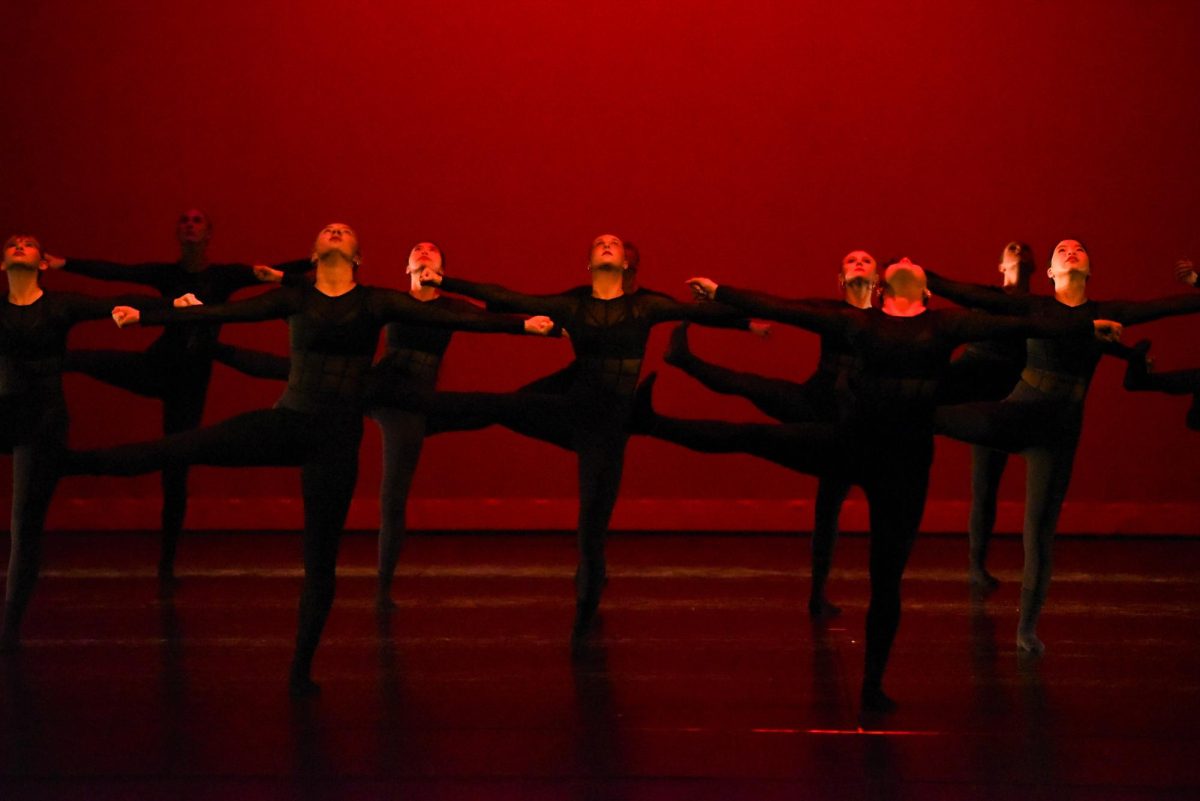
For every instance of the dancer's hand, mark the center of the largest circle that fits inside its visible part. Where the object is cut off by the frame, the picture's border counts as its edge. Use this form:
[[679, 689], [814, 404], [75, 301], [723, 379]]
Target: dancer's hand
[[431, 277], [1185, 271], [267, 274], [703, 288], [760, 328], [125, 315], [54, 262], [1107, 330], [186, 300], [540, 325]]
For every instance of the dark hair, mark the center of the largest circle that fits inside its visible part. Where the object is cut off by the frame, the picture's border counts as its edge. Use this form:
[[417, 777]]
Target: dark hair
[[1082, 244]]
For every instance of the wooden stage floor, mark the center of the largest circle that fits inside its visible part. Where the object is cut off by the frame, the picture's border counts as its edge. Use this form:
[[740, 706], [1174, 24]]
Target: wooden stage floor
[[707, 679]]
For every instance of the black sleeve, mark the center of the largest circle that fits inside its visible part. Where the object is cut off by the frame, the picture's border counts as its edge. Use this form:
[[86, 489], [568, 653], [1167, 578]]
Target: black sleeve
[[81, 308], [394, 305], [978, 296], [814, 315], [149, 273], [273, 305], [662, 308], [968, 326], [496, 296], [1131, 312]]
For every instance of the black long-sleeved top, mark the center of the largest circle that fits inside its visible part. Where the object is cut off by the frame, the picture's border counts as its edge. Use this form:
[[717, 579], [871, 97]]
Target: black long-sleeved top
[[902, 358], [333, 339], [33, 339], [214, 284], [1074, 359], [608, 336]]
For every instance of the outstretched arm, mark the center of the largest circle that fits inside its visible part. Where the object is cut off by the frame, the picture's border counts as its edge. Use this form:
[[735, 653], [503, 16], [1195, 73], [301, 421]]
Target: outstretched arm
[[1132, 312], [394, 305], [267, 306], [149, 273], [978, 296], [500, 297], [88, 307], [660, 308], [968, 326], [814, 315]]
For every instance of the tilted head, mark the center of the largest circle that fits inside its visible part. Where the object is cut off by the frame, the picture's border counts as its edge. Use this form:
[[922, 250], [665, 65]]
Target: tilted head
[[1069, 256], [608, 253], [337, 238], [193, 228], [23, 252]]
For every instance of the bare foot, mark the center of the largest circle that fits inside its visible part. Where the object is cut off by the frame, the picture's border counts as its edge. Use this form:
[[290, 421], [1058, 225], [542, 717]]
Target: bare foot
[[1030, 644], [981, 580], [821, 608]]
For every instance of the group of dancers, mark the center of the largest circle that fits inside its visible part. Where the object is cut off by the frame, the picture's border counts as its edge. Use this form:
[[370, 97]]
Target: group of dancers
[[887, 381]]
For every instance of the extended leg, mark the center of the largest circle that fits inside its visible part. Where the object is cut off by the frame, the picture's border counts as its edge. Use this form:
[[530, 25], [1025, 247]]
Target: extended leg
[[1048, 474], [601, 461], [183, 409], [831, 494], [35, 476]]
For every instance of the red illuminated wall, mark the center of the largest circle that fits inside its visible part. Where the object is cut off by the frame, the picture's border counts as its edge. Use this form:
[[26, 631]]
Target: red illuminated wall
[[755, 142]]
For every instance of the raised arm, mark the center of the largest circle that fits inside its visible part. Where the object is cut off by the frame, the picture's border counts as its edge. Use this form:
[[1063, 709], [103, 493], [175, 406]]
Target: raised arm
[[977, 296], [81, 308], [660, 308]]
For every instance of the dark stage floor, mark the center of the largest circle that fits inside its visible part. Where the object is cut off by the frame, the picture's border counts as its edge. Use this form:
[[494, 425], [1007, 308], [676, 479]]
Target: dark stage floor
[[707, 681]]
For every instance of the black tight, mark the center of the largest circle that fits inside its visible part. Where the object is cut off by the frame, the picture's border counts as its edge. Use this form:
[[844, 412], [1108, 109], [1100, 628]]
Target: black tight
[[182, 388], [35, 433], [1045, 431], [987, 468], [895, 481], [326, 449], [403, 436], [787, 402]]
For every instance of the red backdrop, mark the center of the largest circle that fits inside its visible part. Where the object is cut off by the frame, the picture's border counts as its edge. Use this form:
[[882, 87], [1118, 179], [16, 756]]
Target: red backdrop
[[752, 141]]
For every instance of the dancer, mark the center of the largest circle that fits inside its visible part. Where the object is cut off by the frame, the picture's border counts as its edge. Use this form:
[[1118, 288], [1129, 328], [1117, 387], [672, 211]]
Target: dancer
[[885, 443], [1041, 419], [1139, 376], [608, 328], [177, 366], [816, 400], [317, 424], [33, 410]]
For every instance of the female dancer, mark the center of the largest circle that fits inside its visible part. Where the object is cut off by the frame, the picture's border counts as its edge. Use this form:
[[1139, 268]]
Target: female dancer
[[317, 424], [885, 443], [816, 400], [1041, 419], [608, 328], [33, 412], [177, 366], [1138, 375]]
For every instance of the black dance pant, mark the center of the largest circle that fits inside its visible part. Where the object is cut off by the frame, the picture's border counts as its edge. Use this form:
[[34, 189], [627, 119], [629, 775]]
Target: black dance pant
[[324, 446], [593, 425], [182, 387], [403, 433], [35, 433], [893, 472], [1045, 431], [787, 402], [974, 380]]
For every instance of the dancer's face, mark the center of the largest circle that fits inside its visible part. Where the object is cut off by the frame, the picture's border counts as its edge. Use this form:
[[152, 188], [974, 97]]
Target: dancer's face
[[1016, 263], [859, 265], [193, 228], [425, 254], [23, 253], [608, 253], [337, 237], [1069, 257]]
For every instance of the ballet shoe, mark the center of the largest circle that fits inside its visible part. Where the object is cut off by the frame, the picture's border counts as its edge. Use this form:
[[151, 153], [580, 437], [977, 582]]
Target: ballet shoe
[[1030, 645], [641, 418], [1138, 368], [678, 351], [303, 687], [982, 581], [876, 702], [822, 609]]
